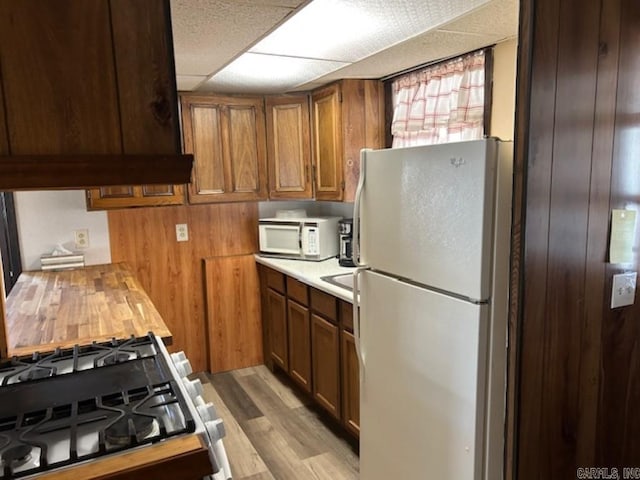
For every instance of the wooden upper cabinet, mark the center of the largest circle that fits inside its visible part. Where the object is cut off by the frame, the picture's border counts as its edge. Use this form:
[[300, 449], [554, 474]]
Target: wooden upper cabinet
[[327, 143], [288, 147], [346, 116], [105, 198], [227, 138]]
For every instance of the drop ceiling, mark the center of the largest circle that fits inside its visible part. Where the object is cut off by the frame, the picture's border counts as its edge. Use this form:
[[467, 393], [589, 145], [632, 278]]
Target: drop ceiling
[[232, 46]]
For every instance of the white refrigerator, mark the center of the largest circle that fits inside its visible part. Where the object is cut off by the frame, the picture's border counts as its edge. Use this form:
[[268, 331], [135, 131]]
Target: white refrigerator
[[432, 235]]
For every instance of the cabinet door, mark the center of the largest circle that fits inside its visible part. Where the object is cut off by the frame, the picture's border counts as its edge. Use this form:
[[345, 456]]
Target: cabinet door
[[233, 312], [226, 136], [134, 196], [277, 320], [325, 360], [288, 147], [326, 122], [350, 384], [299, 344]]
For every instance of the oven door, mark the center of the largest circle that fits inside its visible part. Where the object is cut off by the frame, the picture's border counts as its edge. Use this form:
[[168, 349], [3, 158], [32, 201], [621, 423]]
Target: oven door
[[281, 238]]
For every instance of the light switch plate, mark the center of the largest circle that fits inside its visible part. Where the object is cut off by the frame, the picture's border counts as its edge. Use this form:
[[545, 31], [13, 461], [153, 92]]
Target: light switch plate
[[624, 289]]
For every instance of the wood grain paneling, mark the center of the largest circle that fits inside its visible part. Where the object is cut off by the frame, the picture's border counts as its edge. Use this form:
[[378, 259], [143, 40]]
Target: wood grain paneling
[[233, 312], [171, 272], [4, 133], [579, 371], [619, 419], [538, 172], [3, 331], [567, 240], [595, 277]]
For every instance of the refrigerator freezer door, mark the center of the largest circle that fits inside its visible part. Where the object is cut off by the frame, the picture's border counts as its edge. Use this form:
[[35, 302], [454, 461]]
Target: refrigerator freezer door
[[422, 385], [426, 214]]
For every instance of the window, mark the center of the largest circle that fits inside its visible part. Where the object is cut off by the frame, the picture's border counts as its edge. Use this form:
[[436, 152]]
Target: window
[[9, 247], [441, 103]]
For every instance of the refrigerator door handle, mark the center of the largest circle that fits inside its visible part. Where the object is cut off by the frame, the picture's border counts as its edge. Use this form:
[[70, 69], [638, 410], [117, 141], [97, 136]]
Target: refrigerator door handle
[[355, 250], [356, 319]]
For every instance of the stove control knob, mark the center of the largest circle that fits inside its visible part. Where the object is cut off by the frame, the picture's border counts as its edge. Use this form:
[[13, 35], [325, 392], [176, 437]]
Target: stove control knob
[[178, 357], [207, 412], [193, 387], [216, 430], [184, 368]]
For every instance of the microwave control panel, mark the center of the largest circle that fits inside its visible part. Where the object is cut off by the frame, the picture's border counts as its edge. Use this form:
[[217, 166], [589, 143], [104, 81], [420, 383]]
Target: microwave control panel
[[312, 241]]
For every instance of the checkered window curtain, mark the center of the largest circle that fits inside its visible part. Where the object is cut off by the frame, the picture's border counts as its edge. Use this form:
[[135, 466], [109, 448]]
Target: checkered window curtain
[[442, 103]]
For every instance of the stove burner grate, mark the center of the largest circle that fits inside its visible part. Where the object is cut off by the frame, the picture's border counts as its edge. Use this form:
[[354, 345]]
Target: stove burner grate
[[35, 373], [117, 357], [16, 456], [122, 431]]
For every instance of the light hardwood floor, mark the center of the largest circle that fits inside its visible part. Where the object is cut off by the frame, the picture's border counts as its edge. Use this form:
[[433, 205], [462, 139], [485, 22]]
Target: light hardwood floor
[[275, 433]]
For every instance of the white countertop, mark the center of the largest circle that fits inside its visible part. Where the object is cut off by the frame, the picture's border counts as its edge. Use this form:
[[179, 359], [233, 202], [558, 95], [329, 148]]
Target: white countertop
[[311, 273]]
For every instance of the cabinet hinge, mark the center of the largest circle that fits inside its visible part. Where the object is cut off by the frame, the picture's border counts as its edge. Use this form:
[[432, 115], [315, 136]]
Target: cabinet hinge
[[313, 174], [342, 185], [340, 96]]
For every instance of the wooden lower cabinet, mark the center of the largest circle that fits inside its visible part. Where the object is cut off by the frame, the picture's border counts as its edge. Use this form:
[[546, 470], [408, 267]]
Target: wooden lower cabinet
[[308, 334], [350, 384], [325, 353], [298, 321], [276, 318]]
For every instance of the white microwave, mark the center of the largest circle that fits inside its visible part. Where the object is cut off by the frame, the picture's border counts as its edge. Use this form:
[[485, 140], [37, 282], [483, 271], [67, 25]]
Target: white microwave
[[299, 238]]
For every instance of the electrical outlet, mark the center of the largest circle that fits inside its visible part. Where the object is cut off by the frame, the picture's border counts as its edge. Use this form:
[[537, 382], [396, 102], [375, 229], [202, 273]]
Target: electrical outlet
[[624, 289], [81, 238], [182, 232]]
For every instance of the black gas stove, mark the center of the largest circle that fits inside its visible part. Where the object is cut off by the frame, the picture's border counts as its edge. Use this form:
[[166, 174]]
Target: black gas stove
[[77, 404]]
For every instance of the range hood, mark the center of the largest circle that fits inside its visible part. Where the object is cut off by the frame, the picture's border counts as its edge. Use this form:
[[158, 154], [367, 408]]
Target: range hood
[[88, 95]]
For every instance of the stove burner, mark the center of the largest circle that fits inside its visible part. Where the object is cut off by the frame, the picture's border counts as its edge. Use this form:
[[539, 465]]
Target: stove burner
[[118, 433], [16, 456], [117, 357], [35, 374]]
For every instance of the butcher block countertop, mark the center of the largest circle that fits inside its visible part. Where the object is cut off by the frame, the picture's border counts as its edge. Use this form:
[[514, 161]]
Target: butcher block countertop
[[46, 310]]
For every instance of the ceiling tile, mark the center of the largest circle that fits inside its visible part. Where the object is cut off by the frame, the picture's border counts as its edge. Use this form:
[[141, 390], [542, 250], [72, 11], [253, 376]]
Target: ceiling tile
[[369, 26], [256, 73], [189, 82], [428, 47], [499, 17], [207, 34]]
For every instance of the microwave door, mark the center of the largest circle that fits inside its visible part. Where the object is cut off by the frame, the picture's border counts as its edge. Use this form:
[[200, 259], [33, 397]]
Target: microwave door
[[281, 239]]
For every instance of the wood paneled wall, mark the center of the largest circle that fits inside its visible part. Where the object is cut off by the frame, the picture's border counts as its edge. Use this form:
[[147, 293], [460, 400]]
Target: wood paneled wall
[[172, 272], [578, 151]]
